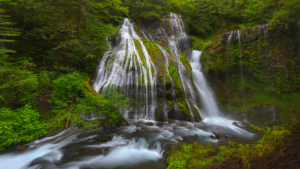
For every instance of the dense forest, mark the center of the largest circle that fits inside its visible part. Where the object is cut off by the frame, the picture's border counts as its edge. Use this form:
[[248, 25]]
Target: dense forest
[[49, 51]]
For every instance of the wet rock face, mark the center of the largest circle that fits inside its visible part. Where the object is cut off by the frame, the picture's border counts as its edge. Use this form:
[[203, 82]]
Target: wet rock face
[[152, 30]]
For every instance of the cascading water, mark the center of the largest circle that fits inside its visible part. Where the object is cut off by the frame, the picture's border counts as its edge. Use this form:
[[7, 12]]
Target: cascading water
[[177, 29], [175, 105], [211, 114], [210, 107], [242, 72], [126, 66]]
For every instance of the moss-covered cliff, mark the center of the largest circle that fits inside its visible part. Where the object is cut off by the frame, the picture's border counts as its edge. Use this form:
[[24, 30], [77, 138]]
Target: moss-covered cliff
[[269, 57]]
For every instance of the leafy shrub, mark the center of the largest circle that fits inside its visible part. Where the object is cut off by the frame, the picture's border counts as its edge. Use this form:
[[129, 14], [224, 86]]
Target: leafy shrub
[[22, 125], [66, 88]]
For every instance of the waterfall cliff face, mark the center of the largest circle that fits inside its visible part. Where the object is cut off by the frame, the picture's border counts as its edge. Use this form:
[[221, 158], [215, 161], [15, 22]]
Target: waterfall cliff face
[[145, 62]]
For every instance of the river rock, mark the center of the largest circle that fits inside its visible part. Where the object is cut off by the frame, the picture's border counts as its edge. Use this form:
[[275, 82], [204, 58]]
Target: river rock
[[219, 135], [149, 123], [101, 138]]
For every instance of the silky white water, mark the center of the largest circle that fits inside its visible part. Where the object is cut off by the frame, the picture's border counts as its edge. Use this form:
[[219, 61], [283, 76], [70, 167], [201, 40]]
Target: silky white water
[[126, 66], [211, 114]]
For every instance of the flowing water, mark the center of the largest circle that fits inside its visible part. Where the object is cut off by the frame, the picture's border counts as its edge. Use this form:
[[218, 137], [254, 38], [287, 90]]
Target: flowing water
[[135, 146], [128, 65]]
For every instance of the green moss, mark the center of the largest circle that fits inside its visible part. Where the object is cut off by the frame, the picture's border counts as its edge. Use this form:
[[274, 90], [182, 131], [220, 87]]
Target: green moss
[[200, 43], [175, 76], [183, 107], [138, 30], [168, 80], [170, 103], [167, 49], [198, 155], [152, 49], [140, 51], [152, 30], [186, 63]]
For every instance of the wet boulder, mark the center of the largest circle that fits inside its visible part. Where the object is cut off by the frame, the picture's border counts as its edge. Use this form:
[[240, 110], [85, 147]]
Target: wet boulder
[[101, 138], [149, 123]]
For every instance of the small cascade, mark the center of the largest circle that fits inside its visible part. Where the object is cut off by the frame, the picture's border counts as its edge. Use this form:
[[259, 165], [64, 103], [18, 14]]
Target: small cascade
[[242, 72], [175, 105], [184, 77], [209, 104], [177, 30], [185, 80], [211, 114], [127, 66]]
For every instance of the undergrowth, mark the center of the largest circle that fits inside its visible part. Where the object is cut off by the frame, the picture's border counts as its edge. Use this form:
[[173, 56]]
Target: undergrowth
[[199, 155]]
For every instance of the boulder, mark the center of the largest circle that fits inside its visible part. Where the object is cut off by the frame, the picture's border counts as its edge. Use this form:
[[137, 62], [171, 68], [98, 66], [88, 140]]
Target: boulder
[[149, 123], [101, 138]]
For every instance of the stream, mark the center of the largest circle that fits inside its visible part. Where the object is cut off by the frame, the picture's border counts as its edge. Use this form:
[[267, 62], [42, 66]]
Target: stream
[[135, 146]]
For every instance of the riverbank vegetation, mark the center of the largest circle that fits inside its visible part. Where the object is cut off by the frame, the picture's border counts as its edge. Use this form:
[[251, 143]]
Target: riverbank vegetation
[[277, 148]]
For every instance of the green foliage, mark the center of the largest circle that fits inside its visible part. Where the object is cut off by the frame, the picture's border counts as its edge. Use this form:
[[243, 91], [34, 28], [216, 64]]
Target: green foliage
[[288, 10], [73, 35], [21, 125], [66, 89], [74, 98], [116, 98], [147, 9], [6, 31], [198, 155], [175, 76], [152, 48]]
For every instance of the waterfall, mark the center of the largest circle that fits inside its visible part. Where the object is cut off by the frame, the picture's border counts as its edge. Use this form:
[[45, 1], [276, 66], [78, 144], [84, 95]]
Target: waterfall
[[175, 105], [177, 30], [128, 65], [242, 72], [209, 104], [179, 41], [184, 77]]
